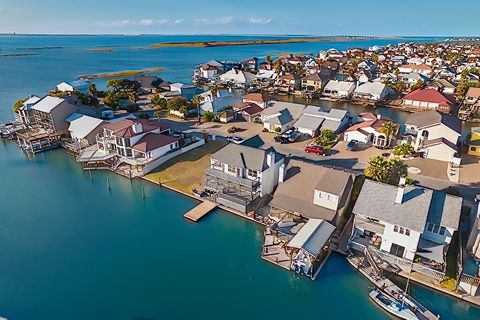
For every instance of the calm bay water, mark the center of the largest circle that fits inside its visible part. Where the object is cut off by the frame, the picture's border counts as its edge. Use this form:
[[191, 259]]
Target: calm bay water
[[72, 249]]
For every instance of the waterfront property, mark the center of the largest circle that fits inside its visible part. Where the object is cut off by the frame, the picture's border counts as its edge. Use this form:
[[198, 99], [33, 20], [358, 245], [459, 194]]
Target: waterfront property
[[436, 135], [428, 99], [239, 176], [50, 113], [315, 119], [407, 222], [72, 86], [368, 130], [339, 89], [373, 91], [83, 130], [25, 113]]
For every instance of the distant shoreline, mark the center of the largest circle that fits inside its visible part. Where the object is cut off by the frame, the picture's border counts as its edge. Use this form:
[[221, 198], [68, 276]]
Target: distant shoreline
[[125, 73], [209, 44]]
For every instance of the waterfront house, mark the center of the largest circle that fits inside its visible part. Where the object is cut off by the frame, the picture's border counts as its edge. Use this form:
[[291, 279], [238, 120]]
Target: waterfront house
[[250, 65], [25, 113], [444, 86], [83, 129], [237, 78], [315, 81], [428, 99], [136, 141], [473, 242], [226, 116], [474, 142], [473, 96], [412, 223], [72, 86], [436, 135], [186, 90], [422, 69], [239, 175], [314, 119], [367, 130], [311, 191], [373, 91], [50, 113], [338, 89], [261, 99], [280, 116], [412, 78], [148, 84], [218, 102]]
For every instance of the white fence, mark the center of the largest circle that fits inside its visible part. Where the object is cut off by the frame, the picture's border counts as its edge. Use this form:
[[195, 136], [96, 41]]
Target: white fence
[[154, 164]]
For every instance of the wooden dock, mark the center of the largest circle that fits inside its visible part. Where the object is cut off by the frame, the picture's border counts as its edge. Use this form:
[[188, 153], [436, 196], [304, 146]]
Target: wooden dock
[[201, 210]]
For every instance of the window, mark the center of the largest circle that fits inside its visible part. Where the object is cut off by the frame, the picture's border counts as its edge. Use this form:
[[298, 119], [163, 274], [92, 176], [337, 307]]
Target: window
[[435, 228], [397, 250], [430, 227], [407, 232], [473, 148], [324, 195], [402, 231], [442, 230], [232, 169], [395, 229], [252, 173], [127, 143]]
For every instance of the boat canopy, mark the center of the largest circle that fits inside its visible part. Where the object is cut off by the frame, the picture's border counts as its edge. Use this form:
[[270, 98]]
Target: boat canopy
[[312, 237]]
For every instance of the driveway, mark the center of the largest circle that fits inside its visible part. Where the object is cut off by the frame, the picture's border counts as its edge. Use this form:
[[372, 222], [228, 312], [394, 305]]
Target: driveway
[[469, 170]]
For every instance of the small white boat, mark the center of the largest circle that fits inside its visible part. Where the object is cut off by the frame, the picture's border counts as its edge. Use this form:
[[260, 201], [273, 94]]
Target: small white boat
[[392, 306]]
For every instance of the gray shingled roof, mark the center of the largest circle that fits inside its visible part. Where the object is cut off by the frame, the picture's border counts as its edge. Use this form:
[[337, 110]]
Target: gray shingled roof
[[313, 236], [377, 200], [244, 157], [430, 118]]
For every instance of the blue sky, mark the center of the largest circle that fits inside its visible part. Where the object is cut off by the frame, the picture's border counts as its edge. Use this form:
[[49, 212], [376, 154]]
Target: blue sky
[[314, 17]]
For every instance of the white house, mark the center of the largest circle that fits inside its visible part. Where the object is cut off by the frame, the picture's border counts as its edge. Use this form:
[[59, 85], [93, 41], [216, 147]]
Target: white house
[[422, 69], [409, 222], [280, 116], [76, 85], [314, 119], [217, 103], [338, 89], [237, 77], [375, 91], [25, 113], [240, 174], [136, 141], [435, 134], [473, 243], [367, 130]]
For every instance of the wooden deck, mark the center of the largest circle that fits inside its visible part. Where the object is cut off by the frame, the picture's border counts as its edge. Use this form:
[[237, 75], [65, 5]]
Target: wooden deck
[[201, 210]]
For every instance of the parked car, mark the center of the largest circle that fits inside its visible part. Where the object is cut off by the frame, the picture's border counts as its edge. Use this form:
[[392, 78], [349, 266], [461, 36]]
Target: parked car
[[314, 149], [281, 139], [294, 136], [236, 140], [352, 145], [287, 133]]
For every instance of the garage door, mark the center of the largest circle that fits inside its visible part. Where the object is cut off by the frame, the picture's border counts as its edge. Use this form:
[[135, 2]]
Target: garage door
[[441, 155]]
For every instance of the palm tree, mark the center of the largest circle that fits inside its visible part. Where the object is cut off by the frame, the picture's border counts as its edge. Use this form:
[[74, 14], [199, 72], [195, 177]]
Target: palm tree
[[269, 60], [378, 169], [196, 102], [397, 169], [389, 129], [278, 66], [404, 149], [92, 89]]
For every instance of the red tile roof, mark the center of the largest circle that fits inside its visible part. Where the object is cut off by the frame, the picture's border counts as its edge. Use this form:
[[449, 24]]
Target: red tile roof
[[417, 66], [429, 95], [153, 141]]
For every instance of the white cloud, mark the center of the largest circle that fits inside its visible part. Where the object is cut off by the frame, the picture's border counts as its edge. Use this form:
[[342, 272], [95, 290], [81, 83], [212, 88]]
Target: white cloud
[[221, 21]]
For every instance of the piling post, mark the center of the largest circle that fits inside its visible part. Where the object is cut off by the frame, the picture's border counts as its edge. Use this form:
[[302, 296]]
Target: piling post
[[143, 192], [90, 173], [108, 182]]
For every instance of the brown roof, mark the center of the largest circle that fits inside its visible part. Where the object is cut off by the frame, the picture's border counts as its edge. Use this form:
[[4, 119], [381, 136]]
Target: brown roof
[[252, 109], [473, 92], [257, 97], [417, 66], [152, 141], [124, 128], [371, 120], [429, 95]]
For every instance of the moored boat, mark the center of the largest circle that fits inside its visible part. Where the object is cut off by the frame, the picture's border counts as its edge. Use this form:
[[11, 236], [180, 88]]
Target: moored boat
[[392, 306]]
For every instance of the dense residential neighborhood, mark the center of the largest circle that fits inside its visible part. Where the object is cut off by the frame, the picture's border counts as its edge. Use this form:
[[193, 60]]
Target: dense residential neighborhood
[[318, 178]]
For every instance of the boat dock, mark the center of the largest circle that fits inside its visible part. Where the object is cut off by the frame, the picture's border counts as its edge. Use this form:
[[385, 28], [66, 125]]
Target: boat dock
[[367, 267], [200, 211]]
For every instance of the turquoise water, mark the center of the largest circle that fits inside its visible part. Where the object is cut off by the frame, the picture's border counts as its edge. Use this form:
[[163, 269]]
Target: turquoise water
[[72, 249]]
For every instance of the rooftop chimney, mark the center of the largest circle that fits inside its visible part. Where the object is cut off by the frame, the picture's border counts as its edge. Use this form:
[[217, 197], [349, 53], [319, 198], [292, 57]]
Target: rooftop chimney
[[270, 158], [379, 116], [137, 127], [400, 191], [281, 173]]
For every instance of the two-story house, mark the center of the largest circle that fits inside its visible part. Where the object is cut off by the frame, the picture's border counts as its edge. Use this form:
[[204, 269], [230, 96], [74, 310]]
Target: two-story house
[[436, 135], [25, 114], [50, 112], [280, 116], [314, 119], [409, 222], [239, 174], [136, 141], [367, 130]]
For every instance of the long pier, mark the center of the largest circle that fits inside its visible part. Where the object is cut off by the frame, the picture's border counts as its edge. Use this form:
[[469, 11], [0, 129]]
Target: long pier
[[200, 211]]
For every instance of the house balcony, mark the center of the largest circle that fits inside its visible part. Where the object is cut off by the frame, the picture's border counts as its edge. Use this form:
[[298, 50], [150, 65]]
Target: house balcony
[[101, 138], [216, 178]]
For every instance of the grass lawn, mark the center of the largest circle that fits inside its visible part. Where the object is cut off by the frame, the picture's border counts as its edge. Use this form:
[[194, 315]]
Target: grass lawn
[[186, 171]]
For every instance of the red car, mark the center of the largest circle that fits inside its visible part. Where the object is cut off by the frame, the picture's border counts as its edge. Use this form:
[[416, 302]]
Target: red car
[[314, 149]]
